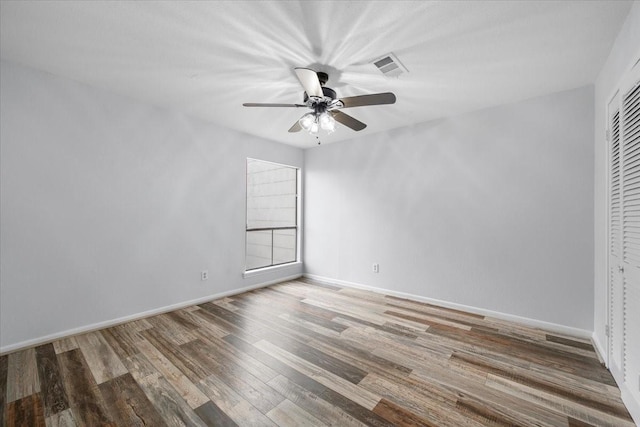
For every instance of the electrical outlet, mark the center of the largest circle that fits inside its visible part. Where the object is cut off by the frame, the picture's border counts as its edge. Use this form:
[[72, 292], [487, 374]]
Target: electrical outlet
[[376, 268], [204, 275]]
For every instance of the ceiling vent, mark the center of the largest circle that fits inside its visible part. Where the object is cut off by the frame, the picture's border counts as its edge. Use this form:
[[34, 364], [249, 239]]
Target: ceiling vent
[[390, 66]]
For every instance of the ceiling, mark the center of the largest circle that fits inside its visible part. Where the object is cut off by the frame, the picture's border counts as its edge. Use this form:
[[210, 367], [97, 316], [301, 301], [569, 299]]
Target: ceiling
[[206, 58]]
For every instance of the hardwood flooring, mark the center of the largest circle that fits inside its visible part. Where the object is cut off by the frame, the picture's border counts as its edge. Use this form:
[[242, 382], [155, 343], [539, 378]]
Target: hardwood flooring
[[300, 353]]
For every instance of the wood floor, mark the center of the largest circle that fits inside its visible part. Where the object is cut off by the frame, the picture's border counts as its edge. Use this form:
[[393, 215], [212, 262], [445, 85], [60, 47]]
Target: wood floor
[[298, 354]]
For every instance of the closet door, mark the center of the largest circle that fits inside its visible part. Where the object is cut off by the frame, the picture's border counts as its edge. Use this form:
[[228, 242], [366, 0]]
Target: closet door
[[630, 177], [624, 233], [615, 241]]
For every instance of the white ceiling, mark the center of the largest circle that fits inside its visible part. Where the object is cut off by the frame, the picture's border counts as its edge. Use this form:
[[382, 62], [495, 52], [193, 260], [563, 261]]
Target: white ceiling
[[207, 58]]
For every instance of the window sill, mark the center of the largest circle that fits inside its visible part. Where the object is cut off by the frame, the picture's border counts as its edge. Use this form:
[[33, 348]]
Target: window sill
[[271, 269]]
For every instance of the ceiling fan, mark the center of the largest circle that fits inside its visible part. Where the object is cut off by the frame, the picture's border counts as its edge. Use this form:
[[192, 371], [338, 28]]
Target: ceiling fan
[[325, 104]]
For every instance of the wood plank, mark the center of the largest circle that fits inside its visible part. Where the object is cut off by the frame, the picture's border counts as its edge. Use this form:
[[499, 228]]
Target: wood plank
[[212, 415], [251, 388], [319, 358], [570, 342], [518, 348], [4, 363], [486, 414], [219, 392], [128, 404], [582, 392], [399, 415], [507, 405], [358, 395], [309, 325], [226, 325], [65, 344], [101, 359], [122, 339], [428, 320], [232, 403], [347, 405], [288, 414], [26, 412], [53, 394], [139, 366], [205, 326], [433, 306], [173, 409], [313, 404], [559, 403], [62, 419], [433, 404], [173, 331], [82, 391], [176, 356], [187, 390], [229, 354], [22, 374]]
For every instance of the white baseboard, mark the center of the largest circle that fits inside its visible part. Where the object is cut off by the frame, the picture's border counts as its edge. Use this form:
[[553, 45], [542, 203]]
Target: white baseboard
[[602, 353], [534, 323], [633, 405], [113, 322]]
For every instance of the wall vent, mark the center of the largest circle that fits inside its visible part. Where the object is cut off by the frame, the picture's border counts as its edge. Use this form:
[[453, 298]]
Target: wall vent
[[390, 66]]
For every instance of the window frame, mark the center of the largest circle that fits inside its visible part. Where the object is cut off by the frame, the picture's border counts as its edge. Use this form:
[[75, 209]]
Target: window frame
[[297, 227]]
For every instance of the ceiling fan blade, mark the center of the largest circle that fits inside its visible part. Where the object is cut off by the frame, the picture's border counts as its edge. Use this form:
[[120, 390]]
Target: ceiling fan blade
[[309, 80], [347, 120], [257, 104], [296, 127], [374, 99]]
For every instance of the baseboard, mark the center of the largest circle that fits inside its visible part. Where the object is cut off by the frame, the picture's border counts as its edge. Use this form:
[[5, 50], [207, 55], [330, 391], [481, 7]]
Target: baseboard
[[113, 322], [633, 406], [600, 351], [534, 323]]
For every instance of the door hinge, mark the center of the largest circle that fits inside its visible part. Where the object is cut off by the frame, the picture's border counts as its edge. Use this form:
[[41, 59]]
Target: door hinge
[[606, 330]]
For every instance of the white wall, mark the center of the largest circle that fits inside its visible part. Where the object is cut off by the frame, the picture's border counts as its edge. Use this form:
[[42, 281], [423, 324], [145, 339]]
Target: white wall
[[625, 48], [492, 209], [625, 51], [110, 208]]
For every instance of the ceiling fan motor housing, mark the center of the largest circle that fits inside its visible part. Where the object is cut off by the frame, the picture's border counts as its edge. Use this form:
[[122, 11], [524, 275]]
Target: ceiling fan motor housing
[[317, 103]]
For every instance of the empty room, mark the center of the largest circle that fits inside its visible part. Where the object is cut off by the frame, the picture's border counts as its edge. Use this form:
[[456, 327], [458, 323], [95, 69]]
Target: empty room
[[320, 213]]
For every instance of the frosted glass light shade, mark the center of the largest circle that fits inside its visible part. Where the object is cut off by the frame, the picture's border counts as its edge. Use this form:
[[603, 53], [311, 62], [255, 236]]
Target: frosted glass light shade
[[327, 122], [307, 121]]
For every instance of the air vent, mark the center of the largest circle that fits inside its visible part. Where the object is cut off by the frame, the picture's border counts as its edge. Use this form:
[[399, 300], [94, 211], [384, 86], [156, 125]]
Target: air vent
[[390, 66]]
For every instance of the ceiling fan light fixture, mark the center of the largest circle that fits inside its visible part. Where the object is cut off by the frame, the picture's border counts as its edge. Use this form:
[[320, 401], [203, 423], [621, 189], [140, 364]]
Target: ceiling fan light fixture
[[307, 121], [327, 122]]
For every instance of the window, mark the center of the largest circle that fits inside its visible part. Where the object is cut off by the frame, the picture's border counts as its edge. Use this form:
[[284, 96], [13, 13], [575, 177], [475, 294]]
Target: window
[[272, 214]]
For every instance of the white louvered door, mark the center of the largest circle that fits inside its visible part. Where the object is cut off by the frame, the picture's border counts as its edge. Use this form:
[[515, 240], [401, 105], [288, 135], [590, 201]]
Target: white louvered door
[[630, 126], [624, 234], [615, 241]]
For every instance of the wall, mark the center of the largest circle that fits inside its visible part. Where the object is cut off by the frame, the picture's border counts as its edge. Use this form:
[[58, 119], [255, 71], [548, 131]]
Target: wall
[[492, 210], [625, 48], [110, 208], [624, 52]]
